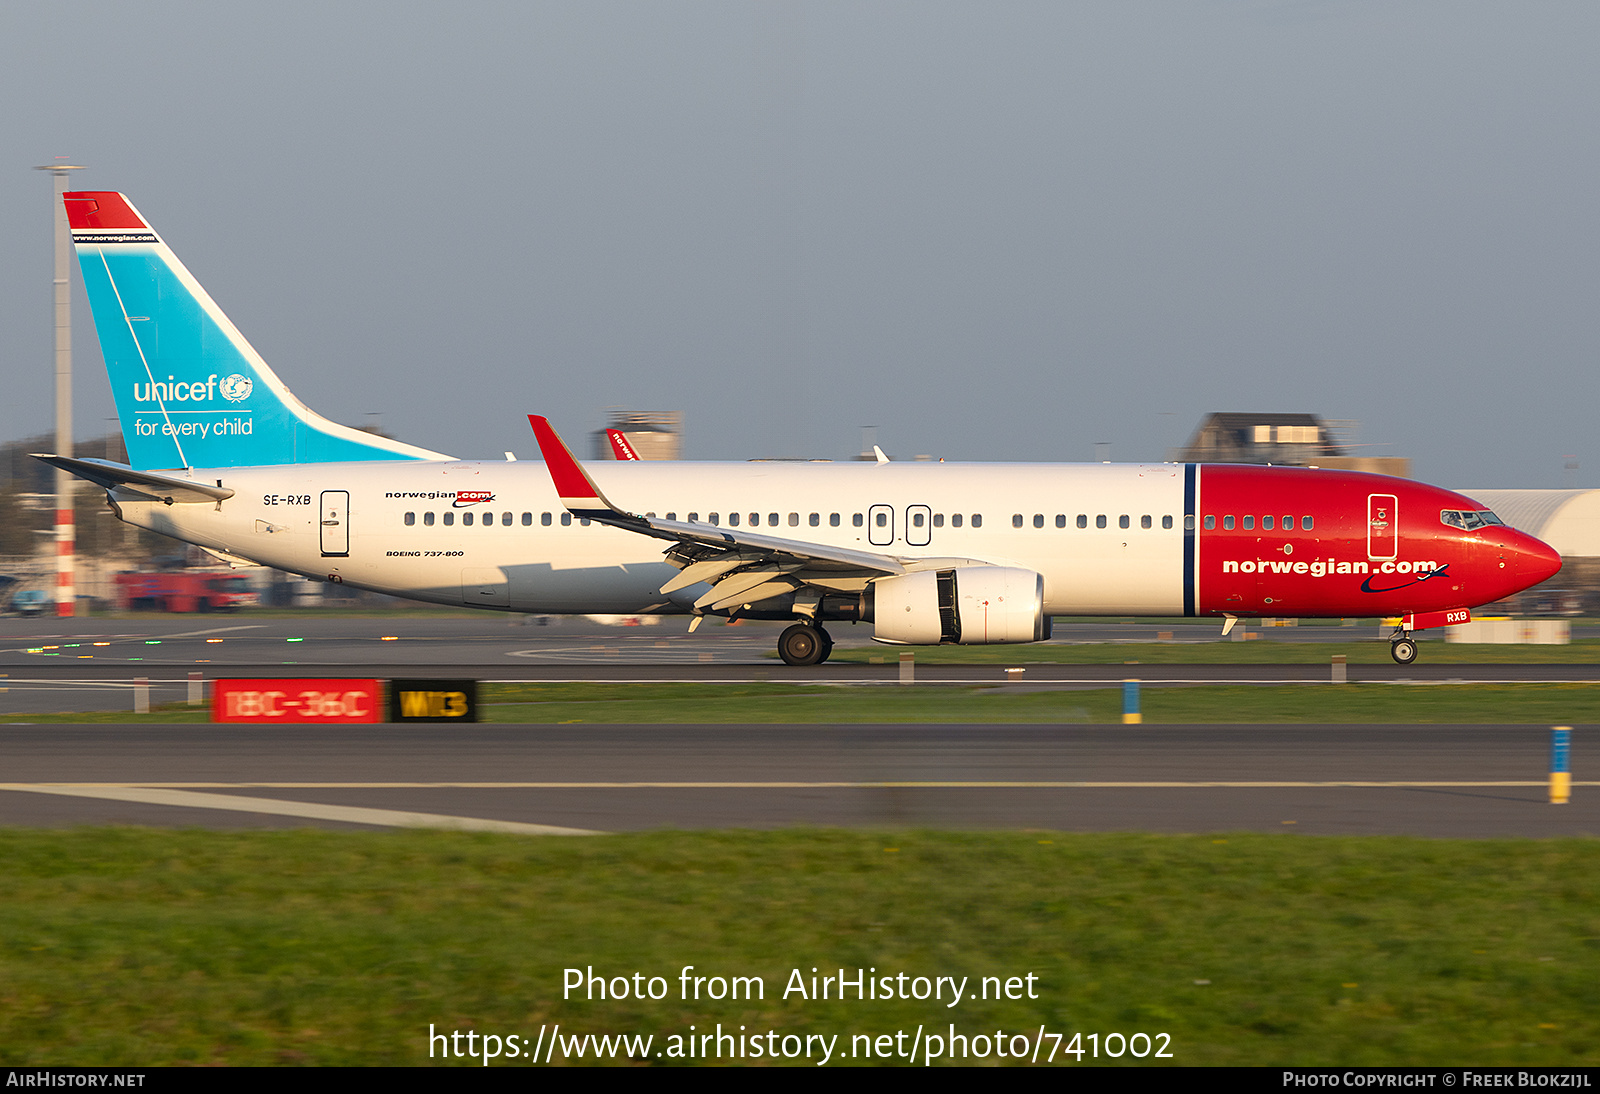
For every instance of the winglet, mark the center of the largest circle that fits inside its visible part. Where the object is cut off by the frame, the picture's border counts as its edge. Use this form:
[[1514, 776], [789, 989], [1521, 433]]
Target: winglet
[[620, 448], [574, 486]]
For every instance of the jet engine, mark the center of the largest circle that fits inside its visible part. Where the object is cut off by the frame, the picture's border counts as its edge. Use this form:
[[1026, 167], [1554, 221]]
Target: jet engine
[[968, 605]]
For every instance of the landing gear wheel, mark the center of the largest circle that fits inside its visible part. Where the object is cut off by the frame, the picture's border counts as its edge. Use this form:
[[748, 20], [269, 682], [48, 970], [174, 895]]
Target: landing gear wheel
[[827, 645], [802, 644], [1403, 650]]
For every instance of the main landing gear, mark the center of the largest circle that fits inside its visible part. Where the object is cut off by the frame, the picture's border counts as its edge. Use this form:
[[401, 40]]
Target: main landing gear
[[804, 644]]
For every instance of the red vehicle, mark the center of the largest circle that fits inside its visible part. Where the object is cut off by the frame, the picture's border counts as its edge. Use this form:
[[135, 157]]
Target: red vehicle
[[184, 591]]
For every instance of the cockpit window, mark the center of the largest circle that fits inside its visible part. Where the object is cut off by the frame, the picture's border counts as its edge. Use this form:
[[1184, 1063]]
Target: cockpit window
[[1468, 519]]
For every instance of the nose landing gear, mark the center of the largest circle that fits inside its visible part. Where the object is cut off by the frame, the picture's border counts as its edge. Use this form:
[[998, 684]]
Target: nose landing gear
[[1403, 649], [804, 644]]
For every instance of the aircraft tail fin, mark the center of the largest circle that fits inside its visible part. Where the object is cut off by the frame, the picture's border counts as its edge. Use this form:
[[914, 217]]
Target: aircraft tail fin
[[190, 391], [621, 449]]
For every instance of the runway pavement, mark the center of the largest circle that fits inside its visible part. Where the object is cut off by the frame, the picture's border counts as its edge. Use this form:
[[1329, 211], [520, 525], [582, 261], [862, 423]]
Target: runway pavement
[[1474, 781], [90, 664], [1421, 780]]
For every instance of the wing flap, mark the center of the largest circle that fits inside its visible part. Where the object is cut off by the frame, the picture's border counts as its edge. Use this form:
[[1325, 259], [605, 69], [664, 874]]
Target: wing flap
[[695, 572]]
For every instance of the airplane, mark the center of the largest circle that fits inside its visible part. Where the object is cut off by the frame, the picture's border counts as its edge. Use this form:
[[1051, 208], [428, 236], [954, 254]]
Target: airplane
[[222, 454], [620, 448]]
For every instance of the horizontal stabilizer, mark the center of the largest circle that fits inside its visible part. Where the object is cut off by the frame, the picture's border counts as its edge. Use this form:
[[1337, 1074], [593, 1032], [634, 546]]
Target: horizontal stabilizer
[[114, 476]]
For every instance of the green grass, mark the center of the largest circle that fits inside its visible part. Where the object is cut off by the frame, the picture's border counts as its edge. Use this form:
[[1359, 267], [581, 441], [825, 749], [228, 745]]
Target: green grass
[[135, 947], [160, 714], [1482, 703], [1371, 651], [601, 703]]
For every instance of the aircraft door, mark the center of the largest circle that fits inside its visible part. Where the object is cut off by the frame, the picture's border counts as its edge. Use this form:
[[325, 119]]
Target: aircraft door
[[335, 521], [1383, 527], [919, 525], [880, 525]]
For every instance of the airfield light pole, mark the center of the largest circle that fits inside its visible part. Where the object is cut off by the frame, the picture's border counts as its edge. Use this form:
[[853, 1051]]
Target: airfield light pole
[[66, 533]]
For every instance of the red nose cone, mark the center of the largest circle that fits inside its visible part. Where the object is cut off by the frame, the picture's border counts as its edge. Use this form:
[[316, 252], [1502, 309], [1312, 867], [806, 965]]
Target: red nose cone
[[1537, 561]]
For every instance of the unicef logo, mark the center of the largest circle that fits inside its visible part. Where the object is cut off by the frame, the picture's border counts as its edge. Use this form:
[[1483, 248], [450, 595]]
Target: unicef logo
[[235, 388]]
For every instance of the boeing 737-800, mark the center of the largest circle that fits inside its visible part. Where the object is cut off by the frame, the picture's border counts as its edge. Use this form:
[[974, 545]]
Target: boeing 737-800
[[221, 454]]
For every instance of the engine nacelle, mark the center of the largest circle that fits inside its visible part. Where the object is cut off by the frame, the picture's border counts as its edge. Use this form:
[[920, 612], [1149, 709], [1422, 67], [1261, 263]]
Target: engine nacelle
[[969, 605]]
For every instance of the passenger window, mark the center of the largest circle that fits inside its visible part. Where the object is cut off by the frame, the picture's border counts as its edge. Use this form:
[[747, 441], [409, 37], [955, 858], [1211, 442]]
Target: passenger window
[[1166, 521], [881, 520], [466, 519], [755, 519], [527, 520], [427, 519], [1122, 521], [1288, 524], [1016, 520], [1083, 520], [1211, 521], [411, 518], [1100, 521], [1227, 523], [694, 518], [1061, 520], [566, 520], [505, 520], [733, 520], [544, 520], [1247, 523], [1038, 520], [977, 520], [916, 520], [938, 520], [772, 520], [955, 520], [833, 520], [1144, 521], [815, 520], [449, 518], [584, 521], [1305, 523], [794, 520], [714, 519], [1266, 524]]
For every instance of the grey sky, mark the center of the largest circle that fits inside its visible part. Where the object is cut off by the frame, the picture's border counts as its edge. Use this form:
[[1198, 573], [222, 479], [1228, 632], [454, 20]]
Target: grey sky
[[996, 231]]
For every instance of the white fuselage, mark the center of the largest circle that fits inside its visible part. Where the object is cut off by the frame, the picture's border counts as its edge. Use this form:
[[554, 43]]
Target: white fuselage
[[383, 526]]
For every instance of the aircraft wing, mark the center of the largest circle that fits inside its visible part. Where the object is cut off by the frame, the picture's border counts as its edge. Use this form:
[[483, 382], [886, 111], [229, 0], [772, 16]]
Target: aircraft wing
[[115, 476], [742, 567]]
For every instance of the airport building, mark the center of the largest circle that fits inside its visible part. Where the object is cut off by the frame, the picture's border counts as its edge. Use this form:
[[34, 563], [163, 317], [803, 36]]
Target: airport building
[[1287, 440], [654, 434]]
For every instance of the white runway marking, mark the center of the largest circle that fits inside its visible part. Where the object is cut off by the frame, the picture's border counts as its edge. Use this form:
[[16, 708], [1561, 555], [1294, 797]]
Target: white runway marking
[[209, 630], [389, 818], [97, 789]]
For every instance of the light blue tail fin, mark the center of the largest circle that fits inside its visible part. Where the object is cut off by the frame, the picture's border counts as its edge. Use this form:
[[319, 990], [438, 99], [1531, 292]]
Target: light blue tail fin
[[190, 391]]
